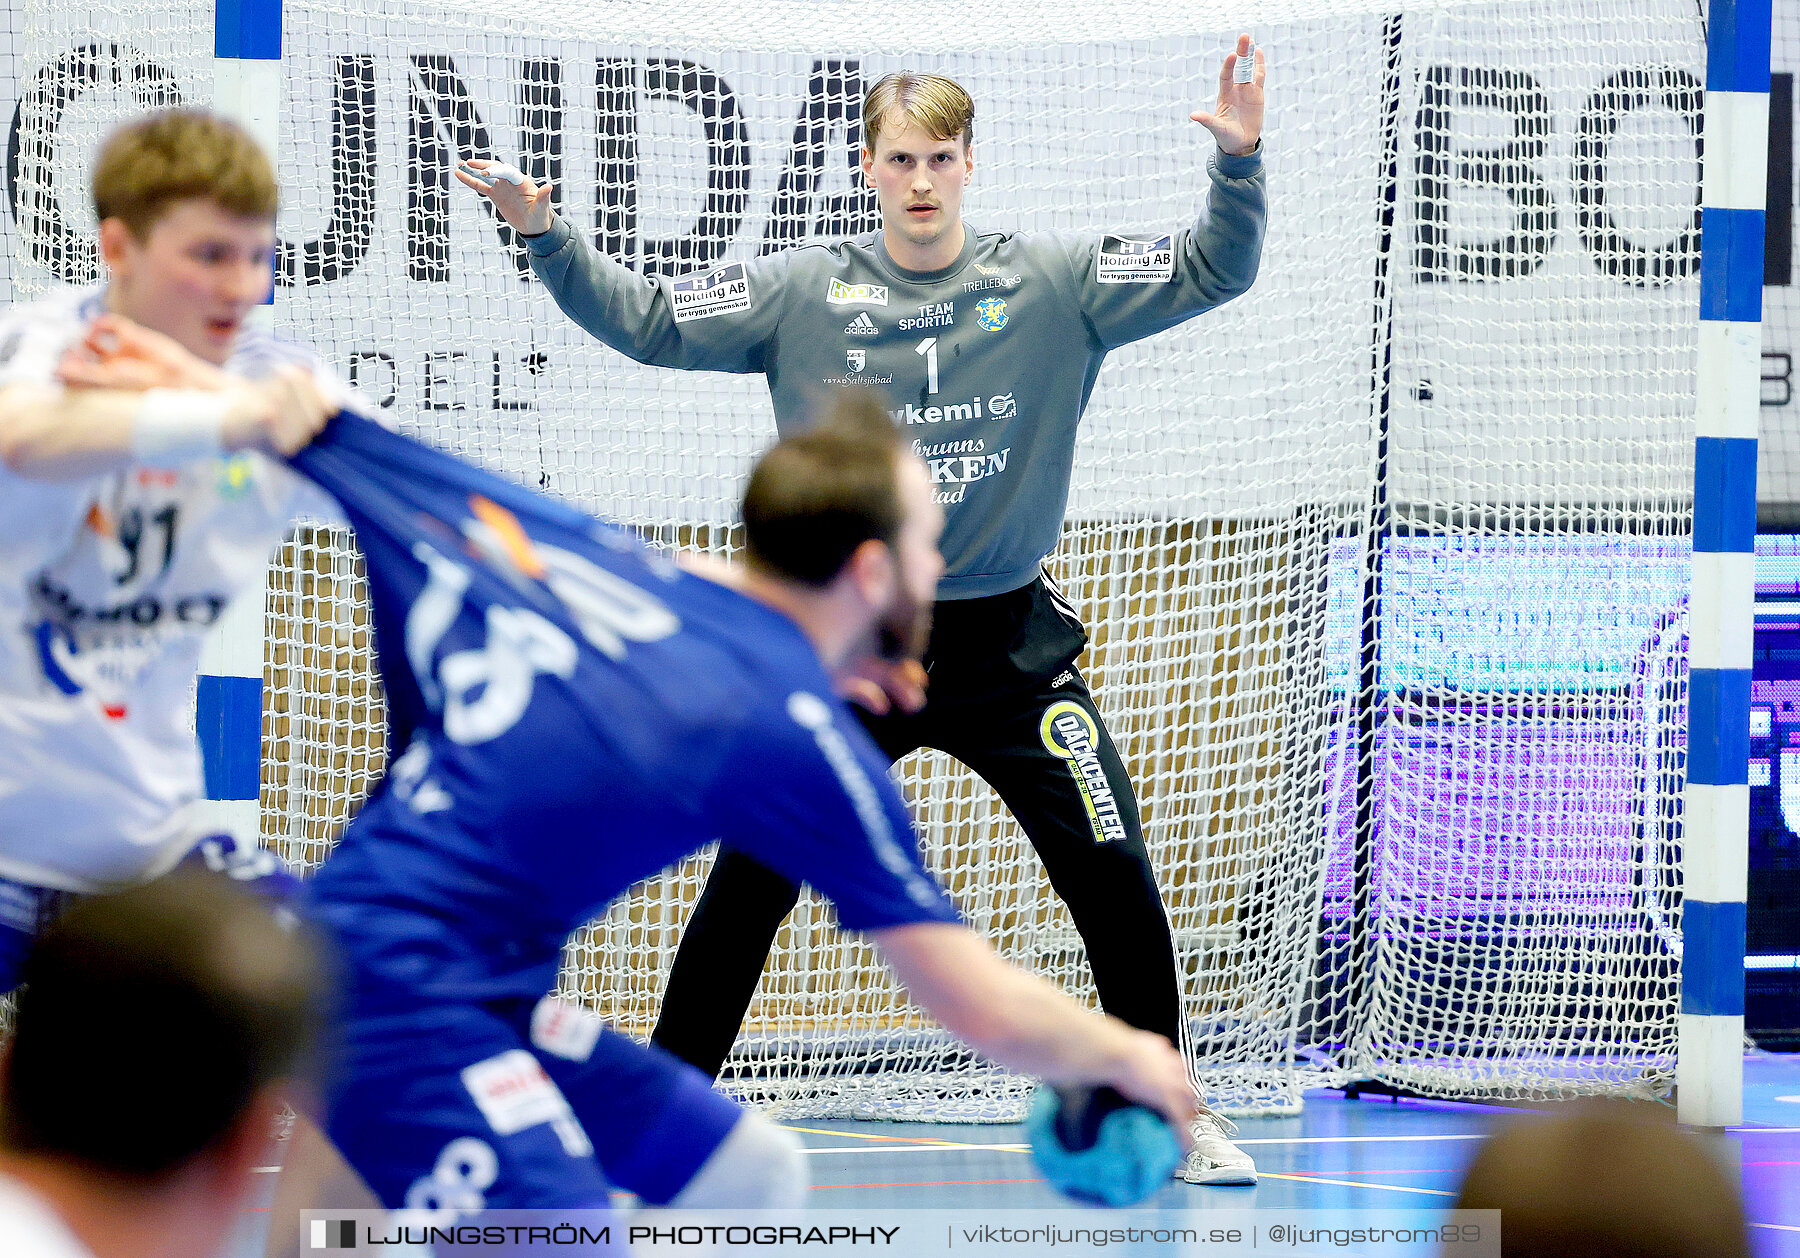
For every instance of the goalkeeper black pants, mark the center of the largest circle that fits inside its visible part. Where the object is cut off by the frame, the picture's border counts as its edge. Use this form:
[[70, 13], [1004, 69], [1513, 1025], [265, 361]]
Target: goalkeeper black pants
[[1006, 700]]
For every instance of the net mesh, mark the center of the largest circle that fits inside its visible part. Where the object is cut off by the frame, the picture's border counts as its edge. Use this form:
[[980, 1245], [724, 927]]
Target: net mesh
[[1384, 562]]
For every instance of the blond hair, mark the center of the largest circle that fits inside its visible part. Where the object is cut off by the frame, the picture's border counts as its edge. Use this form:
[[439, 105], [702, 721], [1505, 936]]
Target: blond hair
[[148, 164], [937, 105]]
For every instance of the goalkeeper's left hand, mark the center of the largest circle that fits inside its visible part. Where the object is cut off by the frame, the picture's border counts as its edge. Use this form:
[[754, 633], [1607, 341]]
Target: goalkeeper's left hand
[[521, 200], [1236, 121]]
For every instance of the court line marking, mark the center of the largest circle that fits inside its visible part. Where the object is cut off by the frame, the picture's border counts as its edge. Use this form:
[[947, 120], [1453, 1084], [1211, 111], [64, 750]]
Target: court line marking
[[899, 1144], [1777, 1227], [930, 1183], [857, 1135], [1449, 1135], [1412, 1170], [1351, 1183], [940, 1147]]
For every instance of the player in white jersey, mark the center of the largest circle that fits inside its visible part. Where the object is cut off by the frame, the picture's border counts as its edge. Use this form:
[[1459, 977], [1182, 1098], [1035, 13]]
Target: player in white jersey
[[130, 520]]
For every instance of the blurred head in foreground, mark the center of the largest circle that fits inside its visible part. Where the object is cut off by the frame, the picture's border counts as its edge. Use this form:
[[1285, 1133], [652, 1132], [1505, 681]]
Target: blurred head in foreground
[[157, 1034], [1608, 1179]]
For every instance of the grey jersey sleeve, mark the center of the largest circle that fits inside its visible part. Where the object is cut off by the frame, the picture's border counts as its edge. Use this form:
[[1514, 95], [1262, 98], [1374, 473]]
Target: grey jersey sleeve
[[1134, 286], [718, 320]]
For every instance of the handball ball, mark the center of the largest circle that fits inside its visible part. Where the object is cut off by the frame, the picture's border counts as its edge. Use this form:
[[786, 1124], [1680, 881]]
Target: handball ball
[[1095, 1145]]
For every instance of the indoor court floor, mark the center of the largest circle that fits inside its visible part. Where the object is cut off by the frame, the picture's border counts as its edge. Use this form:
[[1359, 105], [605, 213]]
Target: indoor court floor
[[1338, 1154]]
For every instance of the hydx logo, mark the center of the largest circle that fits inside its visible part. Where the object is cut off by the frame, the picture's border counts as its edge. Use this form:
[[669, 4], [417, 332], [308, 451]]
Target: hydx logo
[[334, 1234], [842, 294]]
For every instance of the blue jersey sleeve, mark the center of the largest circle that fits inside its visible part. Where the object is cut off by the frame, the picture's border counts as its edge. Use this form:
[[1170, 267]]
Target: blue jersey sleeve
[[810, 795]]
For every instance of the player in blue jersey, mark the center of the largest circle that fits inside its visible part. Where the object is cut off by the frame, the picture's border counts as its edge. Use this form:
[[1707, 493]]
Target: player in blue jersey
[[573, 713]]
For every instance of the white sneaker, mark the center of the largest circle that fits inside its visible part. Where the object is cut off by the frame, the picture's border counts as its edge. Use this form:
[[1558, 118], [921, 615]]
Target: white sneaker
[[1214, 1159]]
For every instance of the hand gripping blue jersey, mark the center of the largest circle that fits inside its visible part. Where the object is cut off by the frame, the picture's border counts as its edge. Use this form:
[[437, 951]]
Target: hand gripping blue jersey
[[569, 713]]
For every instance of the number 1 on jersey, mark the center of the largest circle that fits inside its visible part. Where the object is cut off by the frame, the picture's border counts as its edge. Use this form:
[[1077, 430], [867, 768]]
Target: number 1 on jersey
[[928, 347]]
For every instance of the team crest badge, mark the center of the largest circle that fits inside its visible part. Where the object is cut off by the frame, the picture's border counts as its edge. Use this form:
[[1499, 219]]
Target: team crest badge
[[855, 359], [990, 313]]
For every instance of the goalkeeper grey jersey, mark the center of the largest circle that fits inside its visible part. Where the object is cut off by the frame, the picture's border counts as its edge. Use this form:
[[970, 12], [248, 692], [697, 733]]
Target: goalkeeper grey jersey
[[987, 364]]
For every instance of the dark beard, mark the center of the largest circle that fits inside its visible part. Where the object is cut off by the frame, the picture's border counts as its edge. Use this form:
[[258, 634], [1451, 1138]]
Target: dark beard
[[904, 631]]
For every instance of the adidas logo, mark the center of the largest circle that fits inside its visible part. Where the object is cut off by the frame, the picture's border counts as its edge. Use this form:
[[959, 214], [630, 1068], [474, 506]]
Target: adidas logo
[[862, 325], [1062, 679]]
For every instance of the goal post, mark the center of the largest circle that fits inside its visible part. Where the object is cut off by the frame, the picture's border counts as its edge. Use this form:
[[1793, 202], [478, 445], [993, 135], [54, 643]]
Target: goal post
[[1717, 815], [228, 699], [1386, 563]]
